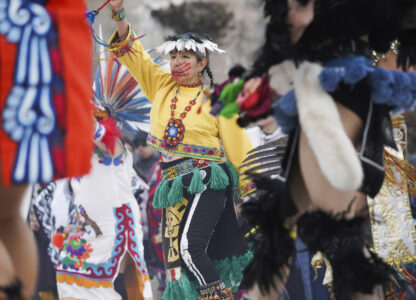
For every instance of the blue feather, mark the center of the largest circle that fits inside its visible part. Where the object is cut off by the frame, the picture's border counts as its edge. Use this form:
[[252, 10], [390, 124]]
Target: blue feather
[[330, 78], [91, 17], [285, 112], [356, 70], [127, 102], [380, 82]]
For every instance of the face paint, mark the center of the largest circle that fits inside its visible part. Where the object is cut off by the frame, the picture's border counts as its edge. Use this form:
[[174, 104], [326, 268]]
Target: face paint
[[181, 70]]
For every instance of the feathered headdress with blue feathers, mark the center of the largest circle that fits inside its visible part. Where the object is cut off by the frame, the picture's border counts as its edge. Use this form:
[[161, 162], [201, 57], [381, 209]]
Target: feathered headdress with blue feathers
[[120, 96]]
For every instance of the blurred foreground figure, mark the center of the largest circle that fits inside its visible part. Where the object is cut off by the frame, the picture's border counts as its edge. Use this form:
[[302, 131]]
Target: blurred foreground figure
[[337, 116], [45, 117], [107, 239]]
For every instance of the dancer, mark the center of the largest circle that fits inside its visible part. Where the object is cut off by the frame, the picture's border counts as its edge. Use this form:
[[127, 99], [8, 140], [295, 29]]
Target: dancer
[[203, 247], [107, 239], [45, 118], [339, 106]]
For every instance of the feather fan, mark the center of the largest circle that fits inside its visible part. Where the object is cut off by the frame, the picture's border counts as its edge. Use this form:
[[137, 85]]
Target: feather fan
[[266, 159]]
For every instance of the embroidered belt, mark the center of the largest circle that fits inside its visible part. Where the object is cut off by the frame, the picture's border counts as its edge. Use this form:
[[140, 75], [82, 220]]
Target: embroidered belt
[[183, 168], [186, 150]]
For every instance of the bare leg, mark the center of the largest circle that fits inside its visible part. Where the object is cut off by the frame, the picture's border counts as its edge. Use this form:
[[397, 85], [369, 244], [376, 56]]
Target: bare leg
[[19, 251]]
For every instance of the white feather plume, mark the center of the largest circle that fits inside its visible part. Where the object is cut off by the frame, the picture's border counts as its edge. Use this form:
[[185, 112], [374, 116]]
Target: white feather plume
[[190, 44]]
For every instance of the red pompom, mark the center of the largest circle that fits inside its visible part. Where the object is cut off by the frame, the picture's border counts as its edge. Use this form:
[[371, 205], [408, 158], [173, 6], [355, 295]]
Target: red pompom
[[58, 240], [112, 133]]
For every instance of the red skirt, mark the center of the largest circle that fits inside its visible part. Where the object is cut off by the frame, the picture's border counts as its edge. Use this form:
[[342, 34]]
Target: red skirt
[[45, 92]]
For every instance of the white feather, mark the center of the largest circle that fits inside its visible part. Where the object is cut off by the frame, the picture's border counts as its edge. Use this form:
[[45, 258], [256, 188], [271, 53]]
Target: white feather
[[191, 44]]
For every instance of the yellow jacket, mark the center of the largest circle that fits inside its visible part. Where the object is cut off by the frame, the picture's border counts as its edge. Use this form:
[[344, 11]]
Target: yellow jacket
[[206, 136]]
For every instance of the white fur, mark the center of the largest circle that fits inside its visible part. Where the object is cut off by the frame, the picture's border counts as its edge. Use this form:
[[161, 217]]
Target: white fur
[[321, 123]]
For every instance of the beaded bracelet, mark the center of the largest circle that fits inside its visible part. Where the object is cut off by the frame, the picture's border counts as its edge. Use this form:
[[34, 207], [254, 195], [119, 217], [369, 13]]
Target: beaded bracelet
[[119, 16]]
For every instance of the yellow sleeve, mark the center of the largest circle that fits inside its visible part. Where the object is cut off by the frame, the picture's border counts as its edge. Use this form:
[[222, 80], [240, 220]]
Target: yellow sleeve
[[150, 76], [236, 144]]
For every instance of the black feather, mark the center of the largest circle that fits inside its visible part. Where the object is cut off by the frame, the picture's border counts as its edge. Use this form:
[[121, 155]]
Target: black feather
[[273, 245], [407, 51], [342, 242]]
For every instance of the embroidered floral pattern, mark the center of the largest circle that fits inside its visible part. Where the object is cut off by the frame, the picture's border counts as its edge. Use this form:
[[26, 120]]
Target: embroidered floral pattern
[[76, 250], [186, 150], [247, 189], [125, 239], [184, 168]]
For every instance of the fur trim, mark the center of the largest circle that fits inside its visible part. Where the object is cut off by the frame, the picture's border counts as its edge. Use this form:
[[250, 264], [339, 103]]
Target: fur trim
[[323, 128]]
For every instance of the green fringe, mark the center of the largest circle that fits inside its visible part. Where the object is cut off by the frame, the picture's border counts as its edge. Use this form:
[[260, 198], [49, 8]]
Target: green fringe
[[182, 289], [231, 270], [233, 173], [160, 199], [219, 179], [176, 191], [197, 185]]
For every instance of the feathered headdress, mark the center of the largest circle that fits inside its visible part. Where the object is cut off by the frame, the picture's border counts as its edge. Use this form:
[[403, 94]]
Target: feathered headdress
[[118, 93], [188, 41]]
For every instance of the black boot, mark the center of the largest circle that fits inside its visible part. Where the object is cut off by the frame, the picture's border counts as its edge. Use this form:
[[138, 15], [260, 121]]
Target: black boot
[[13, 291]]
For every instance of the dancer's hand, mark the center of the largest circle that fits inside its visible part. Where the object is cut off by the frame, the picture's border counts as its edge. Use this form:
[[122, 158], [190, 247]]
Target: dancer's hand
[[116, 5]]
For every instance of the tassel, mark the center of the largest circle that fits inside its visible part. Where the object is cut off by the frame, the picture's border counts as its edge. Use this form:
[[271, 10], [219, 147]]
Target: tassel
[[233, 173], [197, 185], [173, 291], [219, 179], [182, 289], [176, 191], [160, 199]]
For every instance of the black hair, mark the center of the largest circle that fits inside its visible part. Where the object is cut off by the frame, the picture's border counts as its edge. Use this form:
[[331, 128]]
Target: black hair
[[197, 37], [335, 20], [278, 45], [236, 71]]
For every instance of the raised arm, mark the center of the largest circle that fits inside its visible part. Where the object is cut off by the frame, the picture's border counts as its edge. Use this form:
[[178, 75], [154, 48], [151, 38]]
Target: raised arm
[[122, 25], [130, 53]]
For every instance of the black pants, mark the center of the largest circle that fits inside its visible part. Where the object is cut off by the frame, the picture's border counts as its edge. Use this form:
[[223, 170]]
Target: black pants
[[209, 230]]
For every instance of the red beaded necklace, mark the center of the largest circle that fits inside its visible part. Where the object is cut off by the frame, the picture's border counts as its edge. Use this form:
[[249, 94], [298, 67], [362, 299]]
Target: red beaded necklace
[[175, 129], [192, 85]]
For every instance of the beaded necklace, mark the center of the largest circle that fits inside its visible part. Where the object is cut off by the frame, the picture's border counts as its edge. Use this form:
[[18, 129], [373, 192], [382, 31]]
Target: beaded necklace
[[175, 129]]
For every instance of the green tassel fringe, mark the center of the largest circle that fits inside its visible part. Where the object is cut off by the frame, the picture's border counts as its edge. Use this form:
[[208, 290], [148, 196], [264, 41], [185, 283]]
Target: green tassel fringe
[[233, 173], [197, 185], [173, 291], [160, 199], [176, 191], [165, 196], [182, 289], [219, 179], [231, 270]]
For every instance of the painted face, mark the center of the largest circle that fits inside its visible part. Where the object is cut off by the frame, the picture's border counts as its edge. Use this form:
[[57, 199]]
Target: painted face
[[185, 67]]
